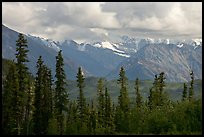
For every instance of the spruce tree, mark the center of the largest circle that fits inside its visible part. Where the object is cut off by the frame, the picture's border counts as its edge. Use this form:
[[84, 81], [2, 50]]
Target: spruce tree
[[161, 82], [81, 98], [122, 111], [72, 119], [138, 96], [108, 119], [161, 85], [150, 99], [43, 99], [157, 97], [46, 102], [101, 107], [123, 99], [29, 105], [92, 119], [154, 96], [22, 69], [61, 96], [184, 92], [10, 103], [37, 115], [191, 91]]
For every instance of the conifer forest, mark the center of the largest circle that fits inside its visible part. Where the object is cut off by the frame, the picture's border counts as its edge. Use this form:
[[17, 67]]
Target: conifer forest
[[41, 105]]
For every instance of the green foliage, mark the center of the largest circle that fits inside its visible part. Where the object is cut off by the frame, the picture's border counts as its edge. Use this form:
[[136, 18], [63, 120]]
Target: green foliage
[[61, 96], [92, 120], [184, 97], [122, 111], [158, 98], [10, 102], [81, 98], [42, 99], [5, 67], [101, 103], [72, 119], [52, 127], [123, 99], [187, 117], [191, 91], [157, 122], [108, 117], [138, 96], [22, 69]]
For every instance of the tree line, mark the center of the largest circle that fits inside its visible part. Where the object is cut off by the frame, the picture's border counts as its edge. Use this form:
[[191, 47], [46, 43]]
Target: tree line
[[41, 106]]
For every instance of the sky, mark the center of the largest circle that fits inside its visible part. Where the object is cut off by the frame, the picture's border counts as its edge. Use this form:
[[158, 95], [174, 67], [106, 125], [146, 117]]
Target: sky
[[96, 21]]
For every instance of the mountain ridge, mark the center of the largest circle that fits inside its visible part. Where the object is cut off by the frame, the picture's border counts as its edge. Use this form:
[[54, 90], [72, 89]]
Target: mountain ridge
[[141, 57]]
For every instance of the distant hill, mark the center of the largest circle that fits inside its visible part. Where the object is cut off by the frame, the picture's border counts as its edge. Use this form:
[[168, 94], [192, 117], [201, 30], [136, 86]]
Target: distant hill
[[174, 89]]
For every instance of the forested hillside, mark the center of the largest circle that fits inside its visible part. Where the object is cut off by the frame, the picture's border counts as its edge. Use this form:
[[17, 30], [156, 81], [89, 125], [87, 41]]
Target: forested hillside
[[174, 89], [52, 105]]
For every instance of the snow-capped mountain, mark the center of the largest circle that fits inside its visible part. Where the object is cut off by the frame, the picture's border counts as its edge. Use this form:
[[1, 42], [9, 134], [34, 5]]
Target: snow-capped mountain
[[143, 57], [47, 42], [125, 48], [36, 47], [175, 60]]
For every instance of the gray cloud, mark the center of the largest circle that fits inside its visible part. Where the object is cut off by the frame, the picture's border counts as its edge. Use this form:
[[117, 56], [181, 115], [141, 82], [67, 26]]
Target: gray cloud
[[92, 21]]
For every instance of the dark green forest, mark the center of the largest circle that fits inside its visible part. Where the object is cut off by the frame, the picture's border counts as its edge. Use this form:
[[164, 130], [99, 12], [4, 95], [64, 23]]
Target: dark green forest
[[44, 104]]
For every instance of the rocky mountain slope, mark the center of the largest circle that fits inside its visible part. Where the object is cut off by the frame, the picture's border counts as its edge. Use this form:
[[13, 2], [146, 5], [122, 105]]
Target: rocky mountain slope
[[141, 57]]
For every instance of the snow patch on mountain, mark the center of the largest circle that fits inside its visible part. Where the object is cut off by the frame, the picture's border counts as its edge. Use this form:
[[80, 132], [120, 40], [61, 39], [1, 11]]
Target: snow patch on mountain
[[124, 55], [47, 42], [51, 44], [139, 62], [81, 47], [108, 45], [180, 45], [97, 45], [197, 41]]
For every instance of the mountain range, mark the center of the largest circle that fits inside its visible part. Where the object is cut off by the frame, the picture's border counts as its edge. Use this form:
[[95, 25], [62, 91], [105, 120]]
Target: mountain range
[[141, 57]]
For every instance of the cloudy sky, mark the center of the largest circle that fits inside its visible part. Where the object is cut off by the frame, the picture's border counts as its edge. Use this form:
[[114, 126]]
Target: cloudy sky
[[93, 21]]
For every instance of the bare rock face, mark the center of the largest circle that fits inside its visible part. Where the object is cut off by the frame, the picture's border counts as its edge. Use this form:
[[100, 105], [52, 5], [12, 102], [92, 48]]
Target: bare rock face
[[175, 61]]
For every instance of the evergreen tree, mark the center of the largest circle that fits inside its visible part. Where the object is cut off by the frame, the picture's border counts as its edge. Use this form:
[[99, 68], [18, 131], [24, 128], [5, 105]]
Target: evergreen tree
[[37, 115], [29, 105], [138, 96], [10, 103], [81, 98], [122, 111], [46, 102], [92, 119], [123, 99], [157, 97], [184, 92], [43, 99], [154, 96], [191, 91], [61, 96], [107, 107], [22, 69], [161, 85], [161, 82], [150, 99], [101, 107], [108, 119], [72, 119]]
